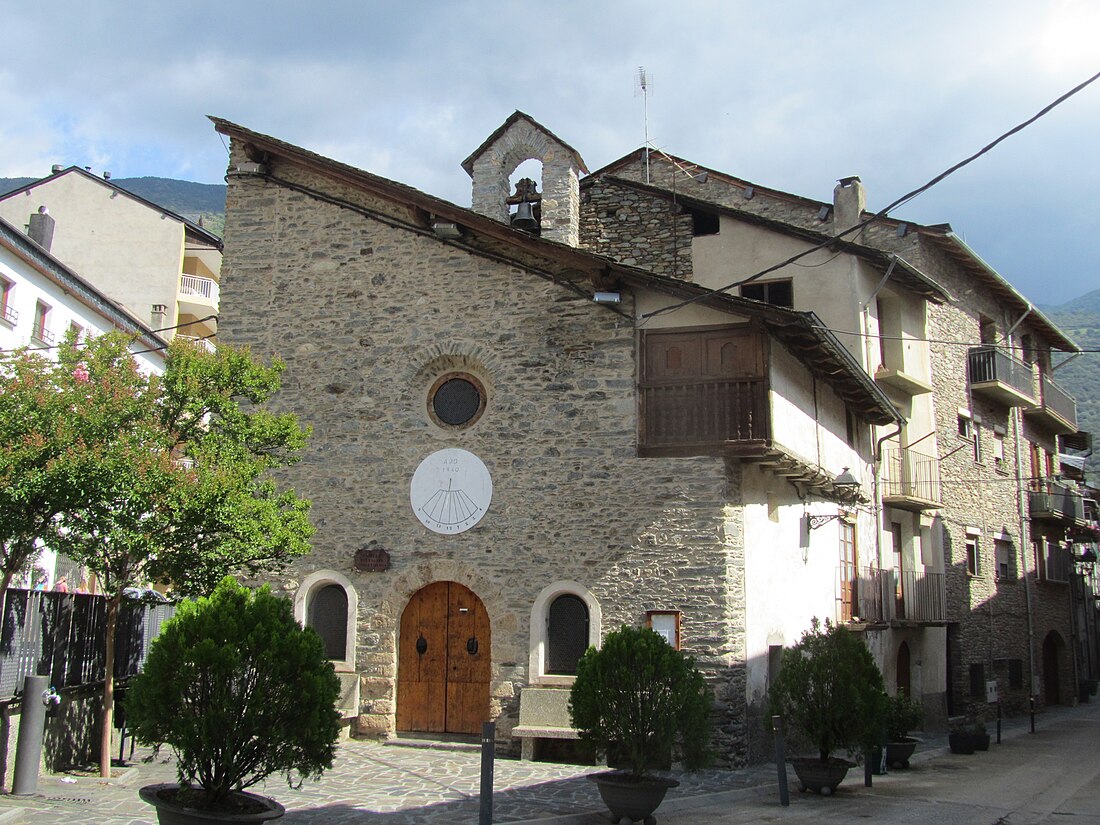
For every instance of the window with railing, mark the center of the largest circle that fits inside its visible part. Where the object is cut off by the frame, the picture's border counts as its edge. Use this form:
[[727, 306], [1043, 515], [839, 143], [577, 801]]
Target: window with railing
[[40, 331], [7, 311]]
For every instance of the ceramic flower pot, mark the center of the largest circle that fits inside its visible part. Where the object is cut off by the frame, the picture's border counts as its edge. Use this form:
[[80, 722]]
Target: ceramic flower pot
[[820, 777], [899, 753], [246, 807], [630, 797]]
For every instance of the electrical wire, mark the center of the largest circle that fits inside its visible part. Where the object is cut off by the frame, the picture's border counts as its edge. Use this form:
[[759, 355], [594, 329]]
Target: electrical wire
[[904, 199], [873, 336]]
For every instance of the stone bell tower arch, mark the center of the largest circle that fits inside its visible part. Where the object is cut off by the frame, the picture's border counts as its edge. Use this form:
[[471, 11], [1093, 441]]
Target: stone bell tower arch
[[522, 138]]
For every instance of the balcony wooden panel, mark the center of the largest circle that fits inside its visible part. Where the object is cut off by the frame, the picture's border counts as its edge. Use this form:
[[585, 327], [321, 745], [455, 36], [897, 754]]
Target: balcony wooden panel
[[704, 416], [922, 597], [1000, 376]]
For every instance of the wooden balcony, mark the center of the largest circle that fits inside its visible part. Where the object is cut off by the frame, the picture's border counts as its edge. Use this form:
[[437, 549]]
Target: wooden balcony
[[860, 593], [910, 480], [701, 418], [1000, 376], [1056, 410]]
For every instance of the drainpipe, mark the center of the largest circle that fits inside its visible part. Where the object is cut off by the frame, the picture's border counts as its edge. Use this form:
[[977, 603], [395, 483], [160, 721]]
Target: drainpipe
[[1025, 539], [876, 491]]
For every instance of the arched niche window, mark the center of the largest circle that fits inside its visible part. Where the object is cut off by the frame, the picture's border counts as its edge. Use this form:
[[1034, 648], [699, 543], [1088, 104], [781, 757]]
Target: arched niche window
[[566, 634], [327, 602], [565, 620], [327, 613]]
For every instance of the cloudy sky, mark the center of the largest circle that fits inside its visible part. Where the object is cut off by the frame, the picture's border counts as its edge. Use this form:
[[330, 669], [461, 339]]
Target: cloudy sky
[[789, 95]]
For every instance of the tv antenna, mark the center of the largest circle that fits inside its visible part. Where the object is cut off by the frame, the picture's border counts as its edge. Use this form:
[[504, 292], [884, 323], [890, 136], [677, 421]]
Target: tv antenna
[[642, 84]]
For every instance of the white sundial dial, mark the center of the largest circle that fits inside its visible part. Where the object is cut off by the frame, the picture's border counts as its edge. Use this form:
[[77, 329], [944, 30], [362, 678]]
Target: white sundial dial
[[450, 491]]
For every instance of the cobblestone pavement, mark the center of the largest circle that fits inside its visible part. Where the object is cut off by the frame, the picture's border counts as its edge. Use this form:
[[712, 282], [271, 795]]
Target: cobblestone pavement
[[404, 785]]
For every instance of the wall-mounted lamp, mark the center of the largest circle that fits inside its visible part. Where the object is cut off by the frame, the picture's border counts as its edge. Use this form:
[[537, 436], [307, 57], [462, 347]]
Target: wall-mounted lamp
[[607, 297], [846, 489], [446, 230]]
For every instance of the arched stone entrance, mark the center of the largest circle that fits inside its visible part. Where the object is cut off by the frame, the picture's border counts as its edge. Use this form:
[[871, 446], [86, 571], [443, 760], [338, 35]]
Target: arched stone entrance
[[1053, 653], [443, 661]]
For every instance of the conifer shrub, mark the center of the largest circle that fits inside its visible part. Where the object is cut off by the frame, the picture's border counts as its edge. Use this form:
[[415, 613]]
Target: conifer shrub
[[640, 698], [240, 691]]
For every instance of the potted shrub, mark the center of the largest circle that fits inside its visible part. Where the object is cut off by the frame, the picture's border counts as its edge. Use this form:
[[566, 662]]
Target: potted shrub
[[240, 692], [961, 736], [902, 716], [830, 693], [645, 702], [981, 736]]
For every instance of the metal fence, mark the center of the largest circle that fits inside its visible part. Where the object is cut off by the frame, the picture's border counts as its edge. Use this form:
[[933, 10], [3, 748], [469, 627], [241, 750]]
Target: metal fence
[[62, 635]]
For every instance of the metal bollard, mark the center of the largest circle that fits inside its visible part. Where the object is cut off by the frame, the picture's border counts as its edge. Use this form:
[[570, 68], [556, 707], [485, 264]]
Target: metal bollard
[[1031, 700], [999, 716], [37, 696], [488, 753], [781, 761]]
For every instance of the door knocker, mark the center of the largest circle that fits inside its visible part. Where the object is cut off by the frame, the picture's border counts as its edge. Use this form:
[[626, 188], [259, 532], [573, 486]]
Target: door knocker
[[471, 646], [421, 645]]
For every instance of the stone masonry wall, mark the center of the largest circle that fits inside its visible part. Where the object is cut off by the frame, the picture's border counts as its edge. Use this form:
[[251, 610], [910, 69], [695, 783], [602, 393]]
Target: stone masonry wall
[[366, 317]]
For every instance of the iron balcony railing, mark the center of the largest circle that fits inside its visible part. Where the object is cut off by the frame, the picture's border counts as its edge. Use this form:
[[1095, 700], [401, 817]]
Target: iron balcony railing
[[1058, 400], [1056, 502], [1055, 563], [10, 314], [922, 596], [990, 364], [910, 475]]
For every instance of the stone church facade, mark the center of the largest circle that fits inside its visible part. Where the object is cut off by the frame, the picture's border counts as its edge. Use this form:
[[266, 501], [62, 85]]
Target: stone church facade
[[506, 462]]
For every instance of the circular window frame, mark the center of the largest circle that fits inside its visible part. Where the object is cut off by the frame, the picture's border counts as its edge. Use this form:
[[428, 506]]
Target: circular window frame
[[456, 375]]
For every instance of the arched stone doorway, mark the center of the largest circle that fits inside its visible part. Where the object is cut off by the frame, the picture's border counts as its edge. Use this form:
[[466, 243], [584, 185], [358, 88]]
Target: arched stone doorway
[[903, 678], [1053, 653], [443, 661]]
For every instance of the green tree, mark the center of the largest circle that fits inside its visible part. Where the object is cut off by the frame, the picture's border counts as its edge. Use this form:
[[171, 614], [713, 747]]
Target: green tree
[[164, 478]]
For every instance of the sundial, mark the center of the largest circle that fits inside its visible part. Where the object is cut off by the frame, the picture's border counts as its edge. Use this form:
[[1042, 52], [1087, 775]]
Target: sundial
[[450, 491]]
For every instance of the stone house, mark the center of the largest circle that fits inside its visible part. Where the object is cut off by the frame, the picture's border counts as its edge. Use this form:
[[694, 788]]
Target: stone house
[[163, 267], [511, 455], [974, 531]]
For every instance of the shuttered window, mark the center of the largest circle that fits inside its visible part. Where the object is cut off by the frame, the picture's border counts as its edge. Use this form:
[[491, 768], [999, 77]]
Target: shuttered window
[[328, 615], [566, 634]]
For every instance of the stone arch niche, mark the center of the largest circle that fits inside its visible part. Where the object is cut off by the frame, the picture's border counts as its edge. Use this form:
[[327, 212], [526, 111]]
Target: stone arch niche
[[1055, 665], [522, 138]]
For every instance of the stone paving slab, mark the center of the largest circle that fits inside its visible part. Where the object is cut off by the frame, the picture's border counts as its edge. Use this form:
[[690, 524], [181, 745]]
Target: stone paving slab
[[375, 783]]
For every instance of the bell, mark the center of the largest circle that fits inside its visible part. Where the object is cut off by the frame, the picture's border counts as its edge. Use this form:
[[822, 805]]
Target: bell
[[525, 217]]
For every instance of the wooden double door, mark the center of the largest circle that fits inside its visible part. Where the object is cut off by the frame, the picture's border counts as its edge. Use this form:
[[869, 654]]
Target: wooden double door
[[444, 661]]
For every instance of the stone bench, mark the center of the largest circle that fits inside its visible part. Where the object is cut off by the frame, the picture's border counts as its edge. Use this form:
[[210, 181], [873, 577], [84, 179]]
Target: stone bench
[[543, 714]]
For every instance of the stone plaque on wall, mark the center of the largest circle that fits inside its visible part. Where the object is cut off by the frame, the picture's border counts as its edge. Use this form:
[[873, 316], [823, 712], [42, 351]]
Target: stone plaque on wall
[[372, 559]]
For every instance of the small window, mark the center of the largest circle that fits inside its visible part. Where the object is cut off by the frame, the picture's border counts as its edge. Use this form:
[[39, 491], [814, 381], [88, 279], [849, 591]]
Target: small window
[[998, 449], [566, 634], [41, 331], [1015, 674], [7, 311], [977, 681], [456, 400], [328, 615], [704, 223], [666, 623], [966, 429], [1004, 555], [779, 293], [77, 333], [972, 566]]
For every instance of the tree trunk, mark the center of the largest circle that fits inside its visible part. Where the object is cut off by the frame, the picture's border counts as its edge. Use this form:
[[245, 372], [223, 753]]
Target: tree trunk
[[107, 719]]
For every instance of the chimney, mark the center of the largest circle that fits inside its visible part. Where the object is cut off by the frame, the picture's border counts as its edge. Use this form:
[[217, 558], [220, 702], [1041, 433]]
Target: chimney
[[41, 227], [849, 203], [158, 316], [57, 167]]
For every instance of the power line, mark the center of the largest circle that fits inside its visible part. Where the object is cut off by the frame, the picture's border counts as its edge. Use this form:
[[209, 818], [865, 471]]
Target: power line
[[884, 212], [874, 336]]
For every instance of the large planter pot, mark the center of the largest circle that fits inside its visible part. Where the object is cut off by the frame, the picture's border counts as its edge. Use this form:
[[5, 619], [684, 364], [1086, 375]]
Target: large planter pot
[[898, 753], [250, 807], [630, 797], [961, 742], [820, 777], [981, 741]]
